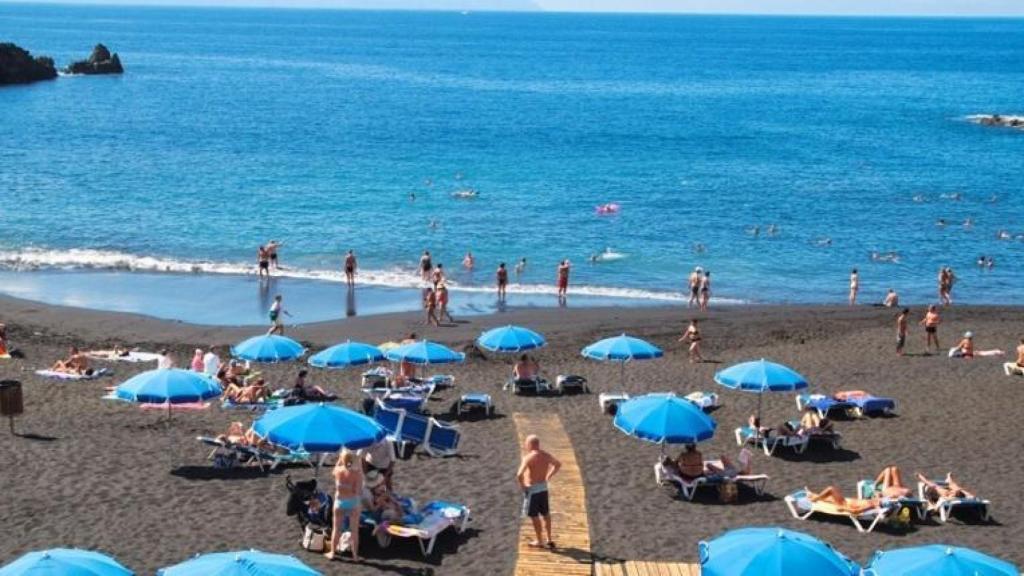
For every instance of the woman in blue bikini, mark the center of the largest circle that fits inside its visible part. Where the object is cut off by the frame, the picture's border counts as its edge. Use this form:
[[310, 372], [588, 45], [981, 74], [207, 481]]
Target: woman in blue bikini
[[348, 490]]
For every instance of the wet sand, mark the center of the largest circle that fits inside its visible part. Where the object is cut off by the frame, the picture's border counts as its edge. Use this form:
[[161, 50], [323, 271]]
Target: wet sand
[[96, 474]]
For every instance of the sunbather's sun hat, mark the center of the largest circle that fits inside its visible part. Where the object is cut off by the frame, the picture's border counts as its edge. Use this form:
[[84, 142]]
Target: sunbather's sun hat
[[968, 334]]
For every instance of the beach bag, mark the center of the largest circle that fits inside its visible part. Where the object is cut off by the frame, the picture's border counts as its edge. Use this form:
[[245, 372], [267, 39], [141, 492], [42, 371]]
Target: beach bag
[[313, 539], [727, 492]]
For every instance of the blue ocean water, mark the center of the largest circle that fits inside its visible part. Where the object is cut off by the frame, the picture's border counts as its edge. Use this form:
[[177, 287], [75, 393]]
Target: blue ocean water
[[234, 126]]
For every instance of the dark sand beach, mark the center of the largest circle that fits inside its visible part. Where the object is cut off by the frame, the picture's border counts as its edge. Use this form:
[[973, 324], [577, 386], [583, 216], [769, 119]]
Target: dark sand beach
[[96, 474]]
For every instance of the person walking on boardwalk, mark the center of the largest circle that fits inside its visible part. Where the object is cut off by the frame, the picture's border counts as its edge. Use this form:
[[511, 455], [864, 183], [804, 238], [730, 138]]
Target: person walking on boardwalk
[[535, 471]]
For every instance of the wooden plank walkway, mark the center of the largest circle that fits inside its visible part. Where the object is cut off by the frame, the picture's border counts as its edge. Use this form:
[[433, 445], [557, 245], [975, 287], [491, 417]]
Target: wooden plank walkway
[[570, 528], [641, 568]]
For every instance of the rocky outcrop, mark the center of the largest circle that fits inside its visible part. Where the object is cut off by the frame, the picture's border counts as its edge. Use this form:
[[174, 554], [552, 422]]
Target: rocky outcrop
[[999, 120], [101, 61], [17, 66]]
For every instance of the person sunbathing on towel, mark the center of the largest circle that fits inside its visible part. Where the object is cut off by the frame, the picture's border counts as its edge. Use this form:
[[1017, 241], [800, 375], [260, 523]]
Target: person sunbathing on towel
[[250, 393], [890, 483], [832, 495], [950, 490], [690, 463], [76, 363]]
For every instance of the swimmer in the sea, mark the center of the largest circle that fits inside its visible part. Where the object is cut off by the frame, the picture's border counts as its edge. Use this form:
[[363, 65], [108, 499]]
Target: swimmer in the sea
[[520, 268], [699, 248], [969, 223], [469, 262], [434, 224], [823, 241], [1003, 235], [941, 222], [919, 198], [754, 231], [772, 230]]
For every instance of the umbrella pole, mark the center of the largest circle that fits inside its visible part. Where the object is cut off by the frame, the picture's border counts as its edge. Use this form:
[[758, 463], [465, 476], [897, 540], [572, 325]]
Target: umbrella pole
[[760, 396], [622, 375]]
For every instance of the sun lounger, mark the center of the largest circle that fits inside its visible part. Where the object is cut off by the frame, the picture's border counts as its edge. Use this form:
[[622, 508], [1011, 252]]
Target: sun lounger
[[475, 400], [867, 489], [703, 400], [826, 406], [572, 384], [688, 488], [428, 522], [854, 403], [227, 454], [801, 507], [610, 401], [442, 439], [72, 376], [945, 506], [533, 386], [771, 441], [441, 381]]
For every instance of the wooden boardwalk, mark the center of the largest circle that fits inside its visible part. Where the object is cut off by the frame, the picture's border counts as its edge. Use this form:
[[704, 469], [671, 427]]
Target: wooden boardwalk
[[571, 531], [640, 568]]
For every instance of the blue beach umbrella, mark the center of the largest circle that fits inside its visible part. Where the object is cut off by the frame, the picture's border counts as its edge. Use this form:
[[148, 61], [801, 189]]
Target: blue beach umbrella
[[268, 348], [937, 560], [65, 562], [664, 419], [760, 376], [622, 349], [318, 428], [346, 354], [174, 386], [771, 552], [241, 563], [510, 339], [423, 353]]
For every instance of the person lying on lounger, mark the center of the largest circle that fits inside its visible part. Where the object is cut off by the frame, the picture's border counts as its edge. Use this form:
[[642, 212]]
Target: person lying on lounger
[[690, 463], [378, 499], [729, 468], [237, 434], [812, 423], [950, 490], [75, 363], [306, 391], [889, 483], [833, 495], [251, 393]]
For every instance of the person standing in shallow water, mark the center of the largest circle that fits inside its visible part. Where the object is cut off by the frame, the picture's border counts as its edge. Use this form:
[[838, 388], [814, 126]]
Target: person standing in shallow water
[[263, 262], [502, 278], [350, 268], [705, 291], [854, 286], [563, 279]]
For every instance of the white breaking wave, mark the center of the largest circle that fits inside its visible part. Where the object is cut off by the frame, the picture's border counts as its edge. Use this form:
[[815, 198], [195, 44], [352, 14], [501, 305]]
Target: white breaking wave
[[86, 259]]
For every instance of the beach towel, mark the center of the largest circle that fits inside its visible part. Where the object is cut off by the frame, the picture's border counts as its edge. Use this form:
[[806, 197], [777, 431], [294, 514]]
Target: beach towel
[[69, 376]]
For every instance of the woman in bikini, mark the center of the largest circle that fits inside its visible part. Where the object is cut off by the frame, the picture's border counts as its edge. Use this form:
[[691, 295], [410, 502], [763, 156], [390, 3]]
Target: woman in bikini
[[833, 495], [692, 335], [430, 307], [348, 504], [948, 490], [705, 290]]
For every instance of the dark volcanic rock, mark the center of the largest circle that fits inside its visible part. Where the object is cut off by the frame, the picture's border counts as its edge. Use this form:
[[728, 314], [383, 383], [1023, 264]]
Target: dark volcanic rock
[[17, 66], [100, 62]]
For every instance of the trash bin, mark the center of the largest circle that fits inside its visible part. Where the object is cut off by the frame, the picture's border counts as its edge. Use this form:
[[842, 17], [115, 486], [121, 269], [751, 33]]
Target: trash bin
[[11, 402]]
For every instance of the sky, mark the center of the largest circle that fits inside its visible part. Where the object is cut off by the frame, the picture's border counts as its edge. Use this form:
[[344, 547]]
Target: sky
[[820, 7]]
